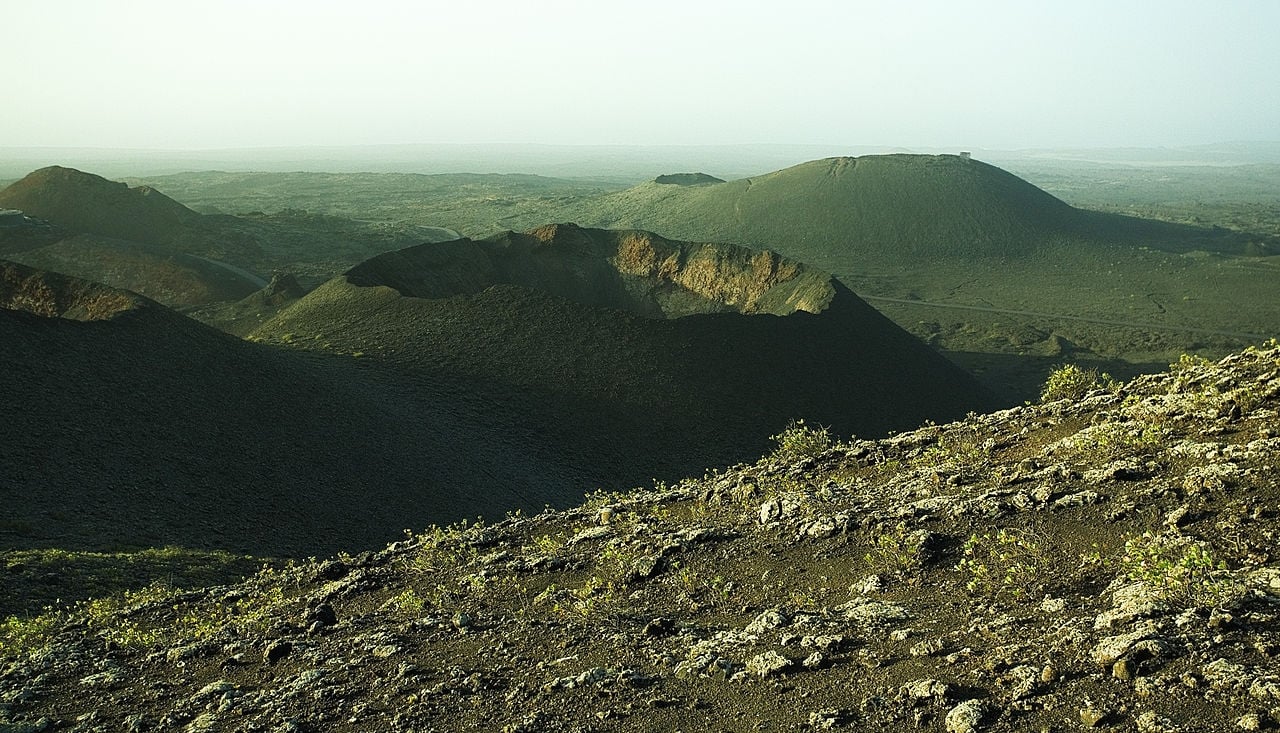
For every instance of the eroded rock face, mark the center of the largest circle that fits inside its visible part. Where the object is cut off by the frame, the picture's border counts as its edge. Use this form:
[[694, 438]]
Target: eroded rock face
[[52, 295], [635, 271], [739, 279]]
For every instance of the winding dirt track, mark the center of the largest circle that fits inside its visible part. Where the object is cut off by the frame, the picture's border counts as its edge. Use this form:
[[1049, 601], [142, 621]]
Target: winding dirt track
[[255, 279]]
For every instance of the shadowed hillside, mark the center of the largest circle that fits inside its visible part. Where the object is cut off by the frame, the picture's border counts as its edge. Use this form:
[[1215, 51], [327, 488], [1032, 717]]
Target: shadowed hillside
[[52, 295], [128, 425], [1103, 560], [634, 350]]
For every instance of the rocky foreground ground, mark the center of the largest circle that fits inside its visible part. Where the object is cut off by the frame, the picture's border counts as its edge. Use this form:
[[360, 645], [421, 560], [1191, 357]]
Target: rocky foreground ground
[[1103, 561]]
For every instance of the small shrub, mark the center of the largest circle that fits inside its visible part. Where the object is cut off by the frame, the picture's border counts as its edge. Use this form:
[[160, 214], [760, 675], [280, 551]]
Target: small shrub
[[1188, 362], [115, 619], [594, 598], [1185, 372], [444, 549], [548, 545], [1179, 569], [621, 565], [696, 589], [896, 553], [799, 441], [21, 635], [1005, 563], [807, 597], [1071, 382], [1114, 440], [406, 604], [964, 449]]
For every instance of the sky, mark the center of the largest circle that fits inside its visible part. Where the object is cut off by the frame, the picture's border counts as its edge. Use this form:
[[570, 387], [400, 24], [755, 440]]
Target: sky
[[207, 74]]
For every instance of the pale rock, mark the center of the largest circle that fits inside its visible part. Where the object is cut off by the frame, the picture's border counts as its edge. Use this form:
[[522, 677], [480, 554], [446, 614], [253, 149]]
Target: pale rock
[[926, 689], [966, 717], [1249, 721], [768, 664], [873, 613], [770, 619]]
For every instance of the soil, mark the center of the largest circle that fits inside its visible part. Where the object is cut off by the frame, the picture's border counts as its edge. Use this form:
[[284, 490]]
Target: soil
[[1105, 562]]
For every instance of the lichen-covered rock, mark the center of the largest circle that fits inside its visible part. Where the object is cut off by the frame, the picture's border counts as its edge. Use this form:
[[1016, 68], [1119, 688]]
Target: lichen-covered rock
[[867, 612], [766, 621], [768, 664], [966, 717], [1113, 648], [926, 689], [744, 621]]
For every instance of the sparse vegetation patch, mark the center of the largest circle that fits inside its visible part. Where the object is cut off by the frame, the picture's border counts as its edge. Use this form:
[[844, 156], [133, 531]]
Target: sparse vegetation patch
[[1180, 569], [865, 590], [1005, 563], [1072, 382]]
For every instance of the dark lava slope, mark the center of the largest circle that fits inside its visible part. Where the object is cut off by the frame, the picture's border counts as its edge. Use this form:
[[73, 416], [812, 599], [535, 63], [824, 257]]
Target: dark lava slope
[[636, 356], [1106, 561], [176, 279], [126, 425]]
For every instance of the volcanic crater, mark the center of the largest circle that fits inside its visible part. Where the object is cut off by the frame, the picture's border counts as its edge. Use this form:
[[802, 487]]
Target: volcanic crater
[[633, 271]]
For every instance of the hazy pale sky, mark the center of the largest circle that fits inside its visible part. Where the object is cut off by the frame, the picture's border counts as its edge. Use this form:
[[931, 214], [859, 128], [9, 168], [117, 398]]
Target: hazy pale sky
[[190, 74]]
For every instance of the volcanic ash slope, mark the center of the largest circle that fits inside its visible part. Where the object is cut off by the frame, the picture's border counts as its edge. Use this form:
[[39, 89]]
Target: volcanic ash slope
[[126, 425], [1106, 562], [636, 356]]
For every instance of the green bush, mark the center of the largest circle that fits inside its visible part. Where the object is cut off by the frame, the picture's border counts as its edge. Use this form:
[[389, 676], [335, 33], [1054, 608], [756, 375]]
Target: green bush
[[1179, 569], [962, 448], [799, 441], [1071, 382], [1005, 563], [1114, 440], [896, 553], [21, 635]]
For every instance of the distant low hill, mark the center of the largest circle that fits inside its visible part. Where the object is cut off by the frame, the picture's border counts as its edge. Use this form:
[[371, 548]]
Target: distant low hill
[[140, 239], [639, 355], [844, 214], [1001, 276], [686, 179], [84, 203], [135, 238]]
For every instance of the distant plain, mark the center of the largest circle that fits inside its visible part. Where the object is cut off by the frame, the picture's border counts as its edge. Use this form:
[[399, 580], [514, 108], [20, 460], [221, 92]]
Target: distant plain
[[1122, 307], [1126, 309]]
